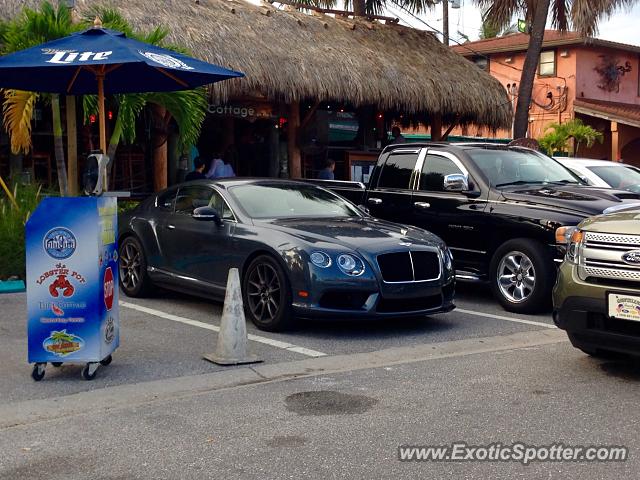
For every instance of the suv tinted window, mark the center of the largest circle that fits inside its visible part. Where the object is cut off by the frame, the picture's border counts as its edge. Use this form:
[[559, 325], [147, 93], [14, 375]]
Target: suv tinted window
[[192, 197], [434, 170], [396, 172]]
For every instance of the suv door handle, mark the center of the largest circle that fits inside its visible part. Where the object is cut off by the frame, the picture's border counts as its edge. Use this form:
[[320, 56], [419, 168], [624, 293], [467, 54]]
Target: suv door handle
[[374, 201], [422, 205], [171, 227]]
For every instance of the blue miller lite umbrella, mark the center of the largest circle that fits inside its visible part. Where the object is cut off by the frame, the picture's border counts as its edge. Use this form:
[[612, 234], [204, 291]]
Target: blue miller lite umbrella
[[103, 61]]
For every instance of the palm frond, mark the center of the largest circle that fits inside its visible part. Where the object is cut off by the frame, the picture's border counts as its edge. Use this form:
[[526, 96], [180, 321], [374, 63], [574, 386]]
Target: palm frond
[[110, 18], [500, 13], [560, 10], [188, 108], [17, 111], [129, 108], [416, 6], [585, 14]]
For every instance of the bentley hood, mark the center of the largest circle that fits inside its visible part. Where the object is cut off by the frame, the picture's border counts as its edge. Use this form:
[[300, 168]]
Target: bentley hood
[[369, 234]]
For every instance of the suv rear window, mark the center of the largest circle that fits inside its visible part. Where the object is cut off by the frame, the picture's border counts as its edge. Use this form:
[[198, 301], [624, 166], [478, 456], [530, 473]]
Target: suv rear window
[[396, 172]]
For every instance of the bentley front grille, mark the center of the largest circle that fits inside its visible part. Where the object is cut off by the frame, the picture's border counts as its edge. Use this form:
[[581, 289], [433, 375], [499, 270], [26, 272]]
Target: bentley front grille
[[412, 266]]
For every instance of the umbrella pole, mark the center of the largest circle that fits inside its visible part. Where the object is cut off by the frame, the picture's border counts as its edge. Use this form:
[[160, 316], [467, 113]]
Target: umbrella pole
[[102, 122]]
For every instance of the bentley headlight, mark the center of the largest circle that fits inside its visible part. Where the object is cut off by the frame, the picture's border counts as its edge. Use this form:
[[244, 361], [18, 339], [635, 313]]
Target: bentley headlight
[[350, 264], [321, 259], [573, 249], [448, 259]]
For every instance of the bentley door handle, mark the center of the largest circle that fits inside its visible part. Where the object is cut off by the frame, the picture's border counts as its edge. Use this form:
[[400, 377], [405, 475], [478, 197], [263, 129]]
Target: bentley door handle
[[171, 227], [375, 201], [422, 205]]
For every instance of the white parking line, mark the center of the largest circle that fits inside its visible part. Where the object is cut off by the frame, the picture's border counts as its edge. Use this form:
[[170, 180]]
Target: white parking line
[[506, 319], [195, 323]]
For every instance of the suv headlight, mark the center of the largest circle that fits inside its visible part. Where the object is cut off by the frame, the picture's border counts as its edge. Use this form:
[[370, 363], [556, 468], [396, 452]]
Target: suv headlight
[[563, 235], [573, 249], [350, 264]]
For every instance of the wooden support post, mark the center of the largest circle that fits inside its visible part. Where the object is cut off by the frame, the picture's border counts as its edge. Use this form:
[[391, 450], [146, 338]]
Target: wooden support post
[[436, 128], [615, 142], [293, 126], [160, 151], [72, 146]]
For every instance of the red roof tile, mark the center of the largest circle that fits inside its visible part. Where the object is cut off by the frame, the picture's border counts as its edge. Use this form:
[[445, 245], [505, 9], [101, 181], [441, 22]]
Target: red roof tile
[[520, 42], [627, 113]]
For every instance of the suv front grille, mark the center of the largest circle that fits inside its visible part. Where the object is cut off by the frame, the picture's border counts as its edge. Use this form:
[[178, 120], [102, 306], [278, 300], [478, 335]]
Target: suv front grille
[[601, 257], [403, 267]]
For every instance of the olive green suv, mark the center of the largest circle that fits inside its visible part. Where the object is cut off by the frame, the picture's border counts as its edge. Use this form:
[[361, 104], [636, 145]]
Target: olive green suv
[[597, 295]]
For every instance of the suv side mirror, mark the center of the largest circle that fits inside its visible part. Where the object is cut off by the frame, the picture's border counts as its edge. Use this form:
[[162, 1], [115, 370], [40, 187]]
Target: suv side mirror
[[207, 214], [456, 182]]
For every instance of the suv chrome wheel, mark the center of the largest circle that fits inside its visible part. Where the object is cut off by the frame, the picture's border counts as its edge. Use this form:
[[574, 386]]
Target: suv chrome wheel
[[516, 277]]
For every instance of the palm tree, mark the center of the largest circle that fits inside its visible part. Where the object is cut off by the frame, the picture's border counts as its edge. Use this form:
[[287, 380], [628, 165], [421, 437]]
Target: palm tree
[[558, 135], [187, 108], [32, 28], [582, 15]]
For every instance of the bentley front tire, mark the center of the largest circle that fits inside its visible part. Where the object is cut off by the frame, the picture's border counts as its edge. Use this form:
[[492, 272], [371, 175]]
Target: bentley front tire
[[267, 295]]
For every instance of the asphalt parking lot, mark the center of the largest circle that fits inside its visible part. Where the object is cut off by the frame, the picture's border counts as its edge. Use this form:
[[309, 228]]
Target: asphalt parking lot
[[165, 337], [330, 400]]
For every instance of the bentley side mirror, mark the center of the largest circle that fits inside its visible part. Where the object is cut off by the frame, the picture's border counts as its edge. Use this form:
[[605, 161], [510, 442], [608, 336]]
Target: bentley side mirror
[[207, 214], [456, 182]]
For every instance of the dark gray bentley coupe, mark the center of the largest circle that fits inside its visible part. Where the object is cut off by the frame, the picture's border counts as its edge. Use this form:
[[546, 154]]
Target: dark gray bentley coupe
[[302, 251]]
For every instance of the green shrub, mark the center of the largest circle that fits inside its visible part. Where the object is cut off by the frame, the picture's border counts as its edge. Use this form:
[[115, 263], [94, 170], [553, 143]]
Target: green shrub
[[12, 222]]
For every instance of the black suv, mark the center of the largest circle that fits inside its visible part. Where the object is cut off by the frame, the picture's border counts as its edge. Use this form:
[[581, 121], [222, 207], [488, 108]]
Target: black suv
[[505, 212]]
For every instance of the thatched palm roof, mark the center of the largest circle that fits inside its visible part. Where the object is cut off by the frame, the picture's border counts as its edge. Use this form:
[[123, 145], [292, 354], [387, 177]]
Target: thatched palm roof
[[289, 55]]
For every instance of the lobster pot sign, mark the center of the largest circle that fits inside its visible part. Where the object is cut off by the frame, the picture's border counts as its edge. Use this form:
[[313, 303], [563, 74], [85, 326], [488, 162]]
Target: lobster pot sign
[[72, 280]]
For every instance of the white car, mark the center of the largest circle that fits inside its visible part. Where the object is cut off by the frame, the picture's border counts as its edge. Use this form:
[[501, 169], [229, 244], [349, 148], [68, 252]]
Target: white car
[[604, 173]]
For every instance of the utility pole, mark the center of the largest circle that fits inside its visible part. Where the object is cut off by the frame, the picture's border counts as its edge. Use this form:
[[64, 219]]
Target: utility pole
[[445, 22]]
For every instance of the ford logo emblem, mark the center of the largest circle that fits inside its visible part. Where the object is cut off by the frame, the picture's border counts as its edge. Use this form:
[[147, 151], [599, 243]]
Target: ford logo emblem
[[632, 257]]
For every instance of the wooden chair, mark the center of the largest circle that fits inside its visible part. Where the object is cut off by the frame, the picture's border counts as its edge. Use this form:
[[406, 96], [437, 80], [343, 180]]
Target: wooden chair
[[39, 160]]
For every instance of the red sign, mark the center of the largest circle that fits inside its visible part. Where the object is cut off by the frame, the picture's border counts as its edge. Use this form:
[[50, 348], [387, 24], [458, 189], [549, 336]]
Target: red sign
[[108, 288]]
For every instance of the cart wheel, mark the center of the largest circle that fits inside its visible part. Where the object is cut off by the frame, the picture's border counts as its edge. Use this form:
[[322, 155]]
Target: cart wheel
[[86, 372], [106, 361], [56, 364], [38, 371]]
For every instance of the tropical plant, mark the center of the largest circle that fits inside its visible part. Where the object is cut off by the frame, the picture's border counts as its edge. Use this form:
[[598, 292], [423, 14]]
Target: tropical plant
[[187, 108], [32, 28], [557, 136], [489, 30], [584, 135], [13, 218], [582, 15]]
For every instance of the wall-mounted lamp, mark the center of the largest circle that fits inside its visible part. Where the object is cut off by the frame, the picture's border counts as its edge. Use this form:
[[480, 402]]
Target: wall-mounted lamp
[[564, 53], [508, 60]]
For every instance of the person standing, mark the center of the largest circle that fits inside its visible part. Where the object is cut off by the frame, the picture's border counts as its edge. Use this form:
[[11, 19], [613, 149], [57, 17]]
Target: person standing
[[198, 172], [396, 136], [327, 172]]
